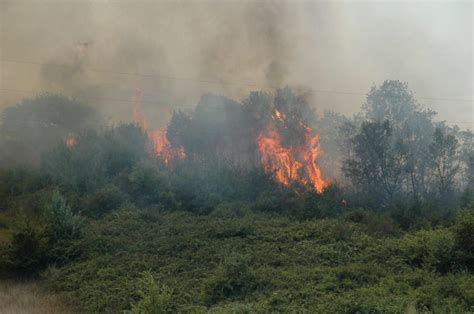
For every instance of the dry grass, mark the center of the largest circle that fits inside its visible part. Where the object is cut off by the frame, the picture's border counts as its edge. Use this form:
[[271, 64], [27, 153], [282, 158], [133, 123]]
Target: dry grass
[[28, 297]]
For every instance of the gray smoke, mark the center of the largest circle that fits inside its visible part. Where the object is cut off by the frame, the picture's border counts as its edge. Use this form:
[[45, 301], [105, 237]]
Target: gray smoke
[[189, 48]]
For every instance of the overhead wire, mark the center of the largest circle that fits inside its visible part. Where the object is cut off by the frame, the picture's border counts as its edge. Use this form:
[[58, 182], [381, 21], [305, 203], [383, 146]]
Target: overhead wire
[[214, 81]]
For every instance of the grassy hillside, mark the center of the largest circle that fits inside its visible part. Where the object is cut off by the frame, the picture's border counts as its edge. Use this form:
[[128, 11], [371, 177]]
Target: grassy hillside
[[239, 262]]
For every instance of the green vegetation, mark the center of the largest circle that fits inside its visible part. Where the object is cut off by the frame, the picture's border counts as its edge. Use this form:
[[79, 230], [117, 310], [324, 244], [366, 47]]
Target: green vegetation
[[152, 261], [111, 226]]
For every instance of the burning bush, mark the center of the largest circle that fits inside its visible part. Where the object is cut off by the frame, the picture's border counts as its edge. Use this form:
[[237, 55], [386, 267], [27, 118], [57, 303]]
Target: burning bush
[[267, 131], [36, 125]]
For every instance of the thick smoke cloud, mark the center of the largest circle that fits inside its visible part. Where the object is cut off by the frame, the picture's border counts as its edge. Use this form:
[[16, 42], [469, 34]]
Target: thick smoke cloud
[[188, 48]]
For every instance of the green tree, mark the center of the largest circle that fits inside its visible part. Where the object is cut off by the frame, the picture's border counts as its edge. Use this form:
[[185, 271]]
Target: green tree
[[377, 164], [61, 223], [443, 151], [410, 124], [467, 162]]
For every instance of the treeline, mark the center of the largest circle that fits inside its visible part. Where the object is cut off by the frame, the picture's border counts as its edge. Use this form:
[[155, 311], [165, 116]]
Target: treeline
[[391, 157], [397, 156], [114, 227]]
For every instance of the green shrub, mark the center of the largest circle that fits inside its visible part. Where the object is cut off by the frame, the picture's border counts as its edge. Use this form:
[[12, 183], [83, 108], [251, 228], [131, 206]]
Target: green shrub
[[103, 201], [61, 223], [62, 229], [376, 223], [433, 249], [26, 254], [230, 210], [452, 293], [233, 280], [463, 230], [353, 276], [155, 299], [148, 186]]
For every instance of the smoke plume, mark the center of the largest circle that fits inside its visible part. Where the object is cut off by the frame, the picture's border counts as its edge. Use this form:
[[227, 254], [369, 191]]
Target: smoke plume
[[183, 49]]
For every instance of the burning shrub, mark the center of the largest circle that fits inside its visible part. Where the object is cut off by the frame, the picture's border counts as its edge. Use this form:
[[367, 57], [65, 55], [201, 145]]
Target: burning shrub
[[268, 132], [96, 159], [36, 125]]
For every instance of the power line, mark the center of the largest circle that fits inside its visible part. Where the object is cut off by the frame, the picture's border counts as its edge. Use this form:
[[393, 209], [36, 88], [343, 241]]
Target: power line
[[87, 97], [166, 77], [90, 98], [177, 106], [215, 81]]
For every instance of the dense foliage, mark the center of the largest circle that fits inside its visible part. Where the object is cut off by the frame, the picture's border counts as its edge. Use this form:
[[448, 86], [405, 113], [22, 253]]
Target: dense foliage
[[109, 224]]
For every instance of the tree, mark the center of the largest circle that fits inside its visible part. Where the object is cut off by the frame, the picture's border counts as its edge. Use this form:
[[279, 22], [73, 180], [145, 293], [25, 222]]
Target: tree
[[377, 164], [61, 223], [391, 101], [443, 151], [466, 155], [411, 125]]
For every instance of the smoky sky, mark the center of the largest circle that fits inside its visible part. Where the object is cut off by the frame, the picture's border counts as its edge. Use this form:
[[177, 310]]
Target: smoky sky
[[175, 51]]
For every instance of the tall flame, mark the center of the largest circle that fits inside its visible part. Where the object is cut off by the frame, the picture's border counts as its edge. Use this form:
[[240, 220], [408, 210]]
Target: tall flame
[[159, 140], [291, 164]]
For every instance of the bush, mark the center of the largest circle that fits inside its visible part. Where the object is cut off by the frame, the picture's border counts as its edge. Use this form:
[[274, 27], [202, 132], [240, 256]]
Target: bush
[[148, 186], [376, 223], [353, 276], [155, 299], [103, 201], [463, 230], [434, 249], [62, 229], [233, 280], [61, 223], [26, 254]]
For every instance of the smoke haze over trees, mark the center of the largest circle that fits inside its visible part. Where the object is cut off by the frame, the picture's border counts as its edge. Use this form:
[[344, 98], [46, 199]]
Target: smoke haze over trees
[[391, 154]]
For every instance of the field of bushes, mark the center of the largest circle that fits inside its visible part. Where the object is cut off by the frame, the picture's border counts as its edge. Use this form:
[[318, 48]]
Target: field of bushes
[[235, 259]]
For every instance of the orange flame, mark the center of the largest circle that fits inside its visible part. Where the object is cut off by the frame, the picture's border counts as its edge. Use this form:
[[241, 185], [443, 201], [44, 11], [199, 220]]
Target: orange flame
[[159, 140], [278, 115], [291, 164], [162, 146], [71, 140]]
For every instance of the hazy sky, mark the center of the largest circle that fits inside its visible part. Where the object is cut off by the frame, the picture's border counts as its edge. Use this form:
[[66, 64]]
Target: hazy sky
[[337, 50]]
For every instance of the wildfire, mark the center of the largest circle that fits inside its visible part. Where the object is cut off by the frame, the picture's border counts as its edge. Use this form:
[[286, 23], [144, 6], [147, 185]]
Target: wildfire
[[291, 164], [287, 162], [159, 140], [71, 140], [162, 146]]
